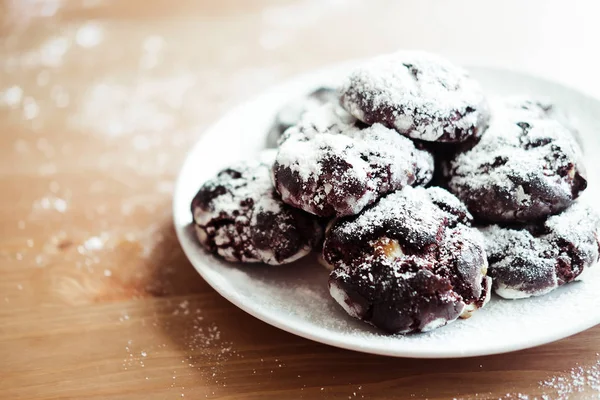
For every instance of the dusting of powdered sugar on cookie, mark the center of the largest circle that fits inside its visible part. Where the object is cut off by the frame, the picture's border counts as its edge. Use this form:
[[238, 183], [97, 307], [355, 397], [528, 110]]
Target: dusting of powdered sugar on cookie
[[239, 216], [292, 112], [411, 214], [327, 165], [411, 262], [543, 107], [579, 225], [524, 167], [536, 259], [421, 95]]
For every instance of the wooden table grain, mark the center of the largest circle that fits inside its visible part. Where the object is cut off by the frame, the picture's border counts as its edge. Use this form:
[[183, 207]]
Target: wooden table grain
[[100, 101]]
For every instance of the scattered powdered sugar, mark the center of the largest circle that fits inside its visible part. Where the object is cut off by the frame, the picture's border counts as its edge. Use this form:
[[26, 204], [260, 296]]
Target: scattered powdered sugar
[[89, 35], [52, 51], [51, 203], [11, 96], [419, 94], [579, 379], [199, 342], [30, 108], [94, 243], [48, 54], [146, 106]]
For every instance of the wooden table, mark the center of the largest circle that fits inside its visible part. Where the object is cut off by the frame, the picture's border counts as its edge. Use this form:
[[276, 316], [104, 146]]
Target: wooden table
[[100, 101]]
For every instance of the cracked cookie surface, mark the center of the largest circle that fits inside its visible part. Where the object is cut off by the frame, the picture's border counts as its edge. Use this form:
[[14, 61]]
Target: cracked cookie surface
[[536, 259], [420, 95], [239, 216], [524, 168], [331, 165], [409, 263]]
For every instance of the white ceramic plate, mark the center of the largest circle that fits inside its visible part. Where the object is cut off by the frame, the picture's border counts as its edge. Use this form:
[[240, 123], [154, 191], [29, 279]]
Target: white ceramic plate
[[295, 297]]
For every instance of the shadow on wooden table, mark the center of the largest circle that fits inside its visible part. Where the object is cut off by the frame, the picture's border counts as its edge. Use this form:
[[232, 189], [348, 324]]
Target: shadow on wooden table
[[225, 352]]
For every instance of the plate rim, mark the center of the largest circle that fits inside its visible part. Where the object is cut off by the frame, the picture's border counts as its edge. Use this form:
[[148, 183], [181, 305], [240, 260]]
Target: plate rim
[[296, 328]]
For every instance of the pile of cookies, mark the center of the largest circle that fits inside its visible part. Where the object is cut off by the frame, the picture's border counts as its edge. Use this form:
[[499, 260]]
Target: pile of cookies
[[420, 194]]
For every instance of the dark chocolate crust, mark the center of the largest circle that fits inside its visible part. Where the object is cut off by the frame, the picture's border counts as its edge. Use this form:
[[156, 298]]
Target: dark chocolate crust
[[525, 168], [420, 95], [239, 216], [329, 166], [535, 259], [409, 263]]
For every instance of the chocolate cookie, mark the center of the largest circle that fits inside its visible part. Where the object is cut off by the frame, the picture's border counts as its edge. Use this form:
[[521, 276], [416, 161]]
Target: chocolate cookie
[[524, 168], [329, 166], [409, 263], [239, 216], [420, 95], [536, 259], [291, 113], [544, 108]]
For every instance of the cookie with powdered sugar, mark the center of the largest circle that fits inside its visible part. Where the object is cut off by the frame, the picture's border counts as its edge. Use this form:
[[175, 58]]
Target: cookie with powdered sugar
[[420, 95], [239, 216], [536, 259], [544, 108], [527, 166], [291, 113], [328, 165], [409, 263]]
